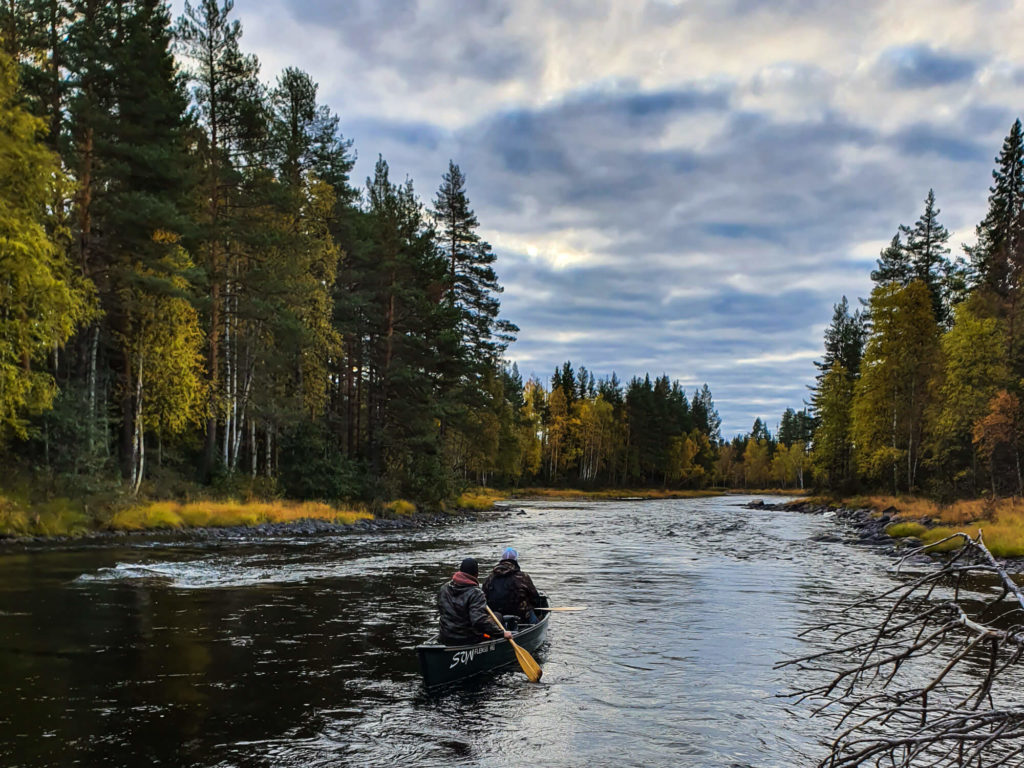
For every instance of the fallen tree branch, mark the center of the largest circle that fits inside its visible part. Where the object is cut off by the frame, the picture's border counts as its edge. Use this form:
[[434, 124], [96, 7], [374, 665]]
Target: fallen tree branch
[[914, 679]]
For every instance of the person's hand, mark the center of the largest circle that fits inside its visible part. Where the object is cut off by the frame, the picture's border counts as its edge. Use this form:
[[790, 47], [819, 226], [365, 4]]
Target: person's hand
[[508, 635]]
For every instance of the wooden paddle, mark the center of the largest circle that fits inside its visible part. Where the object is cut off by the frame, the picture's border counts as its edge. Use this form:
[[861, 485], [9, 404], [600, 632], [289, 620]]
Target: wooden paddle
[[530, 667], [564, 608]]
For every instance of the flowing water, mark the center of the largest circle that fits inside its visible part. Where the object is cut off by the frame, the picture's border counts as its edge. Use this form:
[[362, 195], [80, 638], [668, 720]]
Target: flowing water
[[299, 652]]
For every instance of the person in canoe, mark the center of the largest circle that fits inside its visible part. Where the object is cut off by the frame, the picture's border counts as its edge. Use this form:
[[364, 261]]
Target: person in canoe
[[463, 608], [510, 590]]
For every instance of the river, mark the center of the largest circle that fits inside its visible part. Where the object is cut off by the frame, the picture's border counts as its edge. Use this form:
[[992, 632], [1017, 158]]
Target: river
[[298, 652]]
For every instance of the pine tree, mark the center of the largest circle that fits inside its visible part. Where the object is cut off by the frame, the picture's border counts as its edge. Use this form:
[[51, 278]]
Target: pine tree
[[32, 34], [406, 319], [228, 98], [472, 285], [135, 174]]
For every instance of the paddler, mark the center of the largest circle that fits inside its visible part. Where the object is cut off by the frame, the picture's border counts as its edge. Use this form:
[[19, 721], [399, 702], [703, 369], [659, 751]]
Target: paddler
[[463, 607], [510, 589]]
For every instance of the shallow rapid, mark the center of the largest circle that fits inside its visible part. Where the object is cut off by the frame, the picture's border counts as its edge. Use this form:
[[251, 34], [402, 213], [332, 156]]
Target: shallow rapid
[[299, 652]]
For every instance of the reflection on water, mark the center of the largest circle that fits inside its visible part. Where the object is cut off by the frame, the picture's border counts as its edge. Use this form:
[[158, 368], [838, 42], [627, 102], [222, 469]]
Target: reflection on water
[[299, 652]]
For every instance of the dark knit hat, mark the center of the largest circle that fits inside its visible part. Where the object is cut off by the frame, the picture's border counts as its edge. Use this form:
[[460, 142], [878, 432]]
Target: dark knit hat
[[469, 566]]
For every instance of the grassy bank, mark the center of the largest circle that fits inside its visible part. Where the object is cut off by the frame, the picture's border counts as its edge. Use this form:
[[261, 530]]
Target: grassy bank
[[67, 517], [1000, 520], [216, 514]]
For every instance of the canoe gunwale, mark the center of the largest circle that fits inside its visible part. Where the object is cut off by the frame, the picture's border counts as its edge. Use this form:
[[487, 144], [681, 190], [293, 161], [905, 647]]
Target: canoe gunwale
[[528, 629]]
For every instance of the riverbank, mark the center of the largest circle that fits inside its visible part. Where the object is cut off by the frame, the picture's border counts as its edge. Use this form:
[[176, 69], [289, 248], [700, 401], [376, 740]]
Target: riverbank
[[63, 518], [303, 527]]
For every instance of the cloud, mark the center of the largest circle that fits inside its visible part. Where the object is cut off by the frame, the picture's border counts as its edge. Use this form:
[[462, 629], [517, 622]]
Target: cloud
[[781, 357], [921, 66]]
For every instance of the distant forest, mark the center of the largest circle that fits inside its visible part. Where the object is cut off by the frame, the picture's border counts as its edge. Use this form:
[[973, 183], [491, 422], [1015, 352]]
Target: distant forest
[[193, 289]]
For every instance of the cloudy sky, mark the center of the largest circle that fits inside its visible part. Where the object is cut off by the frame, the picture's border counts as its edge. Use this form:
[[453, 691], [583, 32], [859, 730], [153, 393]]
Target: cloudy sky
[[673, 186]]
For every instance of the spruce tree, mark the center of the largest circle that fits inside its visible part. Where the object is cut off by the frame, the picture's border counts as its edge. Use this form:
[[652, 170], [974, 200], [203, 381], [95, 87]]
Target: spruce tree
[[926, 247], [833, 442], [893, 264], [844, 340], [997, 256]]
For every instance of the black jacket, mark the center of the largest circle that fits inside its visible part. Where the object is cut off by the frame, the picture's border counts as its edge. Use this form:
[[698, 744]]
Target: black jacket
[[463, 608], [510, 591]]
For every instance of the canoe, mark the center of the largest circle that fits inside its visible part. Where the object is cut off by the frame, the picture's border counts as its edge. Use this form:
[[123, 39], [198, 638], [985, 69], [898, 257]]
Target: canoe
[[443, 664]]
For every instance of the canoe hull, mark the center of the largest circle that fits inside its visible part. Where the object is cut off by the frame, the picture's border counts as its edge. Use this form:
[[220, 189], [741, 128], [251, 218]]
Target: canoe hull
[[441, 664]]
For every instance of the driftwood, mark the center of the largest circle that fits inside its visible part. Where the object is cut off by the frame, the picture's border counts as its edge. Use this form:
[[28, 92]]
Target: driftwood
[[922, 675]]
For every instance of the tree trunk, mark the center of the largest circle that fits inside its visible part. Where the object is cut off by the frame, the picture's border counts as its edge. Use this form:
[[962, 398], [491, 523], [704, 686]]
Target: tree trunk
[[228, 390], [266, 458], [253, 447], [138, 451], [94, 345]]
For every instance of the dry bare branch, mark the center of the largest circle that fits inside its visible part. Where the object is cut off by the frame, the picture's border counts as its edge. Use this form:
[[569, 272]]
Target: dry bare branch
[[922, 675]]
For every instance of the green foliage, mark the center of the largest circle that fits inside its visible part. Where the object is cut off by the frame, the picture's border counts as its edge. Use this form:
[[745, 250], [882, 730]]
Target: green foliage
[[313, 467], [41, 302], [897, 377], [974, 368], [833, 439]]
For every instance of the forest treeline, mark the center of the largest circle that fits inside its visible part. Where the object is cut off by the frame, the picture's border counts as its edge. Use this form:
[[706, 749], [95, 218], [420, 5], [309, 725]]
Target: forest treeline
[[191, 284]]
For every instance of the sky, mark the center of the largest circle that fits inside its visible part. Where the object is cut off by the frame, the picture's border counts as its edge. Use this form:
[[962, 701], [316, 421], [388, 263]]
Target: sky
[[681, 188]]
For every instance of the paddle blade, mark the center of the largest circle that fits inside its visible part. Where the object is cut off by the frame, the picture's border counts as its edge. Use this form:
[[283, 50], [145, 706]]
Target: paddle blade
[[530, 667], [565, 608]]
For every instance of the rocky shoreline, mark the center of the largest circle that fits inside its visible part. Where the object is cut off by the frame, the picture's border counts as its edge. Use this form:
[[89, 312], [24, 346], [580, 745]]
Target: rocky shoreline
[[866, 527], [862, 523], [307, 527]]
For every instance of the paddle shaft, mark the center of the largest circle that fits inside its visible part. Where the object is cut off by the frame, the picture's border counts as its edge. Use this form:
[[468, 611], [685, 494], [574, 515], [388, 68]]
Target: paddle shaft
[[564, 608], [496, 620]]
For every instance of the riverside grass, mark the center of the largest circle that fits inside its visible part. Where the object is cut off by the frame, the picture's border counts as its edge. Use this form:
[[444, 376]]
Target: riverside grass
[[215, 514], [1001, 521]]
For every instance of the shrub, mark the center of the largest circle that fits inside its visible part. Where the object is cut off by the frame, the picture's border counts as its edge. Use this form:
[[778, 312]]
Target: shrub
[[899, 530], [477, 501], [401, 507]]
